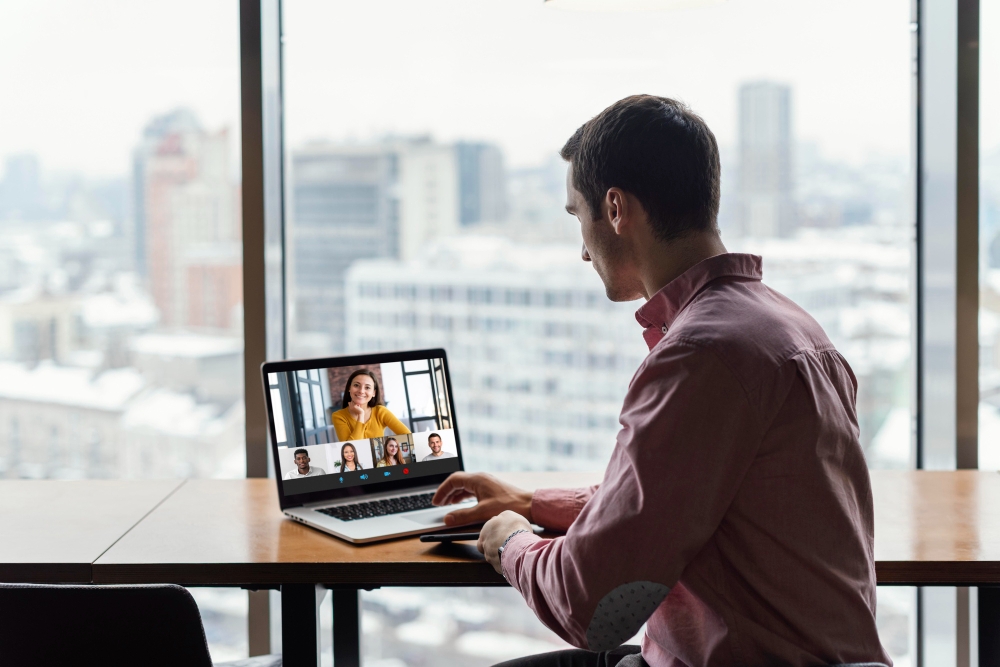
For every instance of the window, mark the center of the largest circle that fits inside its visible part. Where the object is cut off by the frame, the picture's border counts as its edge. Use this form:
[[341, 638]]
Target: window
[[989, 239], [445, 121], [120, 257]]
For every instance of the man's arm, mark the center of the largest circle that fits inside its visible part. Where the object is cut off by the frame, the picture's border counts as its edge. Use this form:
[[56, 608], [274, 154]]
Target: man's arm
[[689, 435], [554, 509]]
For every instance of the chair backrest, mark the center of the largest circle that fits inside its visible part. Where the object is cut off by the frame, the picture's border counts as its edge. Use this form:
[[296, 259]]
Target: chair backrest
[[111, 626]]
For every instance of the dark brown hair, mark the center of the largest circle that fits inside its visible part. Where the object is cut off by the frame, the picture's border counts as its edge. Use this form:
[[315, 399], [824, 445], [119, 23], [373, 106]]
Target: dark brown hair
[[656, 149], [376, 399], [357, 458]]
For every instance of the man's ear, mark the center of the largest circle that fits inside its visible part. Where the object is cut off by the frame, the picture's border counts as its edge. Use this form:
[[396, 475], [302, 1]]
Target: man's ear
[[617, 207]]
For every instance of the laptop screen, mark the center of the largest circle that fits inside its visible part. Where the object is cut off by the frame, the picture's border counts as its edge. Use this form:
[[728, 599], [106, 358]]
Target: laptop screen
[[361, 424]]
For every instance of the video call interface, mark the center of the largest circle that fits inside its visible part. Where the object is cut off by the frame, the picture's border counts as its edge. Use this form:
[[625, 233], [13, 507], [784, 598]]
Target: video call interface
[[356, 425]]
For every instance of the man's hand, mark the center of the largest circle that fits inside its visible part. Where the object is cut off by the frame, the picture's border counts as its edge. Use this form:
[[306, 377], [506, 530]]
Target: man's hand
[[493, 495], [495, 533]]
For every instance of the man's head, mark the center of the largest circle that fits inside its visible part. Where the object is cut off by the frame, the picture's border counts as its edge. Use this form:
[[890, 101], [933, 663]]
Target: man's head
[[434, 442], [644, 160], [302, 460]]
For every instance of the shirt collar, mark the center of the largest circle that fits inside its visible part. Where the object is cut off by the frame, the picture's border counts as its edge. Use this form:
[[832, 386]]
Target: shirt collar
[[658, 314]]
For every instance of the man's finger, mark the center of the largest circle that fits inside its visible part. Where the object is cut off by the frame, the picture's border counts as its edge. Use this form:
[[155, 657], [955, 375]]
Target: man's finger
[[455, 480], [468, 515], [456, 496]]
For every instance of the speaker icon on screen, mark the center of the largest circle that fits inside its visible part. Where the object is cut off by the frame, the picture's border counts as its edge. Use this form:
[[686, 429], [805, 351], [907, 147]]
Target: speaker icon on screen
[[364, 476]]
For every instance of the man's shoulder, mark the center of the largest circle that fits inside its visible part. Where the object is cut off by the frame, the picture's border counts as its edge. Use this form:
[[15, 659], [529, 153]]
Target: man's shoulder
[[749, 321]]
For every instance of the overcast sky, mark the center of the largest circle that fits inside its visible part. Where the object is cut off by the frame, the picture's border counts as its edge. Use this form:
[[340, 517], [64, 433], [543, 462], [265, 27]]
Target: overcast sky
[[79, 80]]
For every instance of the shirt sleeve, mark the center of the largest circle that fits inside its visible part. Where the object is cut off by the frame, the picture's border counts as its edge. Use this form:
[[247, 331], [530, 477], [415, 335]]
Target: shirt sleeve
[[556, 509], [689, 434], [389, 419], [346, 427]]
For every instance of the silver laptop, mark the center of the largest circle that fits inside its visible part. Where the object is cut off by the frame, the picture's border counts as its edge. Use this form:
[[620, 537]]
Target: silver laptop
[[361, 443]]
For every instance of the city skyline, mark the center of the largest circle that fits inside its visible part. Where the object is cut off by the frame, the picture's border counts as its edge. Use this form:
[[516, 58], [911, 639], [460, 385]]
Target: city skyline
[[205, 75]]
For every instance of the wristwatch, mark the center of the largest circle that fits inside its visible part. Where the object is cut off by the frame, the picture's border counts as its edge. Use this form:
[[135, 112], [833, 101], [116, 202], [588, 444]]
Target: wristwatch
[[504, 546]]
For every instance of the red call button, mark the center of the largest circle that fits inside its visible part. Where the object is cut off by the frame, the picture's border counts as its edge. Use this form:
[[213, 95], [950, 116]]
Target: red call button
[[406, 471]]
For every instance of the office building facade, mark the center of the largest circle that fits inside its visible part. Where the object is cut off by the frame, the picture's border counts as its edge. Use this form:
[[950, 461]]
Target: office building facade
[[539, 357], [184, 209], [360, 202], [766, 206]]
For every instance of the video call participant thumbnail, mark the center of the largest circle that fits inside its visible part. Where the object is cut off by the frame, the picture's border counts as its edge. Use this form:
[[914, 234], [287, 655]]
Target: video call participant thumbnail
[[302, 467], [437, 453], [393, 455], [349, 459], [362, 415]]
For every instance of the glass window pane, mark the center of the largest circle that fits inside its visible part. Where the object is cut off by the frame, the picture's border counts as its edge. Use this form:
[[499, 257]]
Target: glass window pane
[[317, 398], [989, 237], [420, 395], [426, 202], [279, 416], [120, 253], [415, 366], [306, 402]]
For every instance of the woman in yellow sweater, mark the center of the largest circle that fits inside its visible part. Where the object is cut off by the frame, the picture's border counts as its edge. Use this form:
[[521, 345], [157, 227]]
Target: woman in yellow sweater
[[362, 415]]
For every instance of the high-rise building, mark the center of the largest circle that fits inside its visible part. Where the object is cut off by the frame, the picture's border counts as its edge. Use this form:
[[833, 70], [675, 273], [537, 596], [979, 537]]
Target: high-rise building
[[482, 183], [765, 138], [357, 202], [184, 205], [20, 189], [539, 358]]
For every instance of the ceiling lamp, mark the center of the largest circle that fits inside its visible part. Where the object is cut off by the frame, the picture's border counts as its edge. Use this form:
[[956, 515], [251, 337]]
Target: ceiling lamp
[[627, 5]]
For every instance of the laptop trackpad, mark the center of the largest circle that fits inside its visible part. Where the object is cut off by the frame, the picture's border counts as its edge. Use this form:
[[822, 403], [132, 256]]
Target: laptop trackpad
[[429, 517]]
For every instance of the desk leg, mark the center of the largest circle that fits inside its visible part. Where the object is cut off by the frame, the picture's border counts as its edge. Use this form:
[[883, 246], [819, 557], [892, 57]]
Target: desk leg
[[299, 625], [346, 628], [989, 626]]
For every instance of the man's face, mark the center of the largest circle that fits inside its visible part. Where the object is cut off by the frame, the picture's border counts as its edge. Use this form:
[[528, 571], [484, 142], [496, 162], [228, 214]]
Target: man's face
[[602, 246], [435, 444], [302, 462]]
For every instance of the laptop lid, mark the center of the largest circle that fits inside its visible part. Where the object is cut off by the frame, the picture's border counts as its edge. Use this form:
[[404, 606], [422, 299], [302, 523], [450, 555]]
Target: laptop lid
[[357, 425]]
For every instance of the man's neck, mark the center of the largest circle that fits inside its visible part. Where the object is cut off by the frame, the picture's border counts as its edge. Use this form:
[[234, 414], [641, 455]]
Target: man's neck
[[660, 263]]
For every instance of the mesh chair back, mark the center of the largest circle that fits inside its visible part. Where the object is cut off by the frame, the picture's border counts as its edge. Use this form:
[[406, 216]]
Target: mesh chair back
[[111, 626]]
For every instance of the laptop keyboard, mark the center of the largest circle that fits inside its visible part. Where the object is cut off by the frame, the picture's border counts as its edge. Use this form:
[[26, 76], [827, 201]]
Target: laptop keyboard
[[379, 507]]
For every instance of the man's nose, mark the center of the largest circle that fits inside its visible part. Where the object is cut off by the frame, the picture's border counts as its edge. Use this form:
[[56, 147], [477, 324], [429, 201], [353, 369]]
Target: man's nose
[[585, 254]]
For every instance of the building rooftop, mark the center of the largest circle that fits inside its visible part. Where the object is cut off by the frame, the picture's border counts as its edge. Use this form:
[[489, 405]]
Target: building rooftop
[[74, 387], [185, 345]]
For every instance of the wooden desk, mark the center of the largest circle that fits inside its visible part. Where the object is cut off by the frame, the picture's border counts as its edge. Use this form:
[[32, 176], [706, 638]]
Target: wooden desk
[[232, 533], [932, 528], [937, 528], [52, 532]]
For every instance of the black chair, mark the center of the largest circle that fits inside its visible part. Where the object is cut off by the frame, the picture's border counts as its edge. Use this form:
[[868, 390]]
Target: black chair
[[111, 626]]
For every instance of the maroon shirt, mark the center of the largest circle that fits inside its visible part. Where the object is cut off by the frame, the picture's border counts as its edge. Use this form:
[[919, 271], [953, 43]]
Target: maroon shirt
[[736, 511]]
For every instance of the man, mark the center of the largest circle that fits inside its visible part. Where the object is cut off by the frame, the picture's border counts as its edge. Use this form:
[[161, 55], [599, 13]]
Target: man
[[735, 514], [434, 442], [302, 467]]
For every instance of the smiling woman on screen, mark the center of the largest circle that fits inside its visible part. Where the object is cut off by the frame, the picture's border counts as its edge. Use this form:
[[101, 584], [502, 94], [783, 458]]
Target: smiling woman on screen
[[393, 456], [349, 458], [362, 415]]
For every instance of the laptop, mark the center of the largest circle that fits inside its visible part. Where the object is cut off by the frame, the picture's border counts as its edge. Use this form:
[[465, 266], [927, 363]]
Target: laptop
[[360, 443]]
